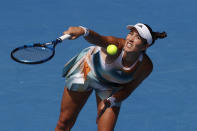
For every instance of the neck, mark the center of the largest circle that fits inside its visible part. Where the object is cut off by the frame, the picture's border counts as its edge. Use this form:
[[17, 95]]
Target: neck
[[130, 58]]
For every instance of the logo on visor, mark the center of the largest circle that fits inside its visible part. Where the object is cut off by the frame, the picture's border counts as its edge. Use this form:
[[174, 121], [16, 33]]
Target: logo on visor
[[140, 26]]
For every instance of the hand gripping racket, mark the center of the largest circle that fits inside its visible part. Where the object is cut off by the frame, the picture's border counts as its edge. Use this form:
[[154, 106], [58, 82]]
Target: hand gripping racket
[[36, 53]]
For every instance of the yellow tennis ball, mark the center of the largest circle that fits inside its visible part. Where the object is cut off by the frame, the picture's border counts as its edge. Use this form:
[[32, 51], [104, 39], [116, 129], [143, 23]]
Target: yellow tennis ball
[[112, 49]]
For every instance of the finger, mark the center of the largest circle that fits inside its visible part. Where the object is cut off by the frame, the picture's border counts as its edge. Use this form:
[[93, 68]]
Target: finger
[[107, 103], [73, 37], [66, 32], [100, 113], [97, 119]]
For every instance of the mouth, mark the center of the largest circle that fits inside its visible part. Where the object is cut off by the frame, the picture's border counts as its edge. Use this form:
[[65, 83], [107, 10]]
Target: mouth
[[129, 44]]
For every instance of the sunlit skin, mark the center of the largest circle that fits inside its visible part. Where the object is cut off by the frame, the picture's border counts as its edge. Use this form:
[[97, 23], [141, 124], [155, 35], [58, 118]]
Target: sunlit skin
[[133, 46], [72, 101], [134, 42]]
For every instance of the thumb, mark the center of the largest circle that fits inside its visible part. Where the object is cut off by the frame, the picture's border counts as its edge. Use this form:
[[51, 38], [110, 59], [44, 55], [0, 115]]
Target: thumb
[[73, 37]]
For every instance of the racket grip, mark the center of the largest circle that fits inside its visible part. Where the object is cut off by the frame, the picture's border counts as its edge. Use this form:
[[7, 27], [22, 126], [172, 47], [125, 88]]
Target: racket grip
[[66, 36]]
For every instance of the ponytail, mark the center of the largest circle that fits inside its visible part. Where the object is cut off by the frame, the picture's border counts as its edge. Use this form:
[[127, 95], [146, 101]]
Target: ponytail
[[156, 35]]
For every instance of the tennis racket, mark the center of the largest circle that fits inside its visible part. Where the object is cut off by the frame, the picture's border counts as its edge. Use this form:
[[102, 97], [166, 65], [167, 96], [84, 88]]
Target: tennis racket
[[36, 53]]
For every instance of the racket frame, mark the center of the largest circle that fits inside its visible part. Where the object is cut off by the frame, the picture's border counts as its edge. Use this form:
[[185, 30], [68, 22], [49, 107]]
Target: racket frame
[[44, 45]]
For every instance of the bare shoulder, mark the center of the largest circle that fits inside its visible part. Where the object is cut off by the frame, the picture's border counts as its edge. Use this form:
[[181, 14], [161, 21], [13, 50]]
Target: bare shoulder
[[145, 68], [143, 71], [147, 62], [119, 42]]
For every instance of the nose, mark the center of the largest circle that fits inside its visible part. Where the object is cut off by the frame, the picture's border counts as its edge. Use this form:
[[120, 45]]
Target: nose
[[131, 39]]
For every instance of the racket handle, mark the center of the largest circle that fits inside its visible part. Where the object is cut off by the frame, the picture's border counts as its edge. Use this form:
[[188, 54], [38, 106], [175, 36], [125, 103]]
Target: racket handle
[[66, 36]]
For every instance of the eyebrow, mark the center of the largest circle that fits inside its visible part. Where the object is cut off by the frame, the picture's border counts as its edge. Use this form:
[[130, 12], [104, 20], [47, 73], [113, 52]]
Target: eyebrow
[[136, 33]]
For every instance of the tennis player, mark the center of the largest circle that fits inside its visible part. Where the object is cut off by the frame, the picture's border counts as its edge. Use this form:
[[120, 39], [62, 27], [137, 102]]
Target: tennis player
[[113, 77]]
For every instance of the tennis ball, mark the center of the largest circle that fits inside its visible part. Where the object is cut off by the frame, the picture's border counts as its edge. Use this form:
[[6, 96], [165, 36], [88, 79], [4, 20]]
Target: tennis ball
[[112, 49]]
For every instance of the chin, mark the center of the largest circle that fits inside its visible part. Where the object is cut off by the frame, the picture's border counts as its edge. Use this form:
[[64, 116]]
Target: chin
[[131, 51], [128, 50]]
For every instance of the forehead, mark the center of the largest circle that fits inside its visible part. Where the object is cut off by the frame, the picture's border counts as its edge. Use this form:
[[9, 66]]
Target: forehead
[[133, 30]]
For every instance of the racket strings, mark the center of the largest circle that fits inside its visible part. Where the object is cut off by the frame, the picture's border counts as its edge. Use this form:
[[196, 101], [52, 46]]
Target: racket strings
[[33, 54]]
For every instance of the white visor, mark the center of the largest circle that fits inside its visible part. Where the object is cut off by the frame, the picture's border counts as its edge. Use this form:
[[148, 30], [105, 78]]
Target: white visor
[[143, 31]]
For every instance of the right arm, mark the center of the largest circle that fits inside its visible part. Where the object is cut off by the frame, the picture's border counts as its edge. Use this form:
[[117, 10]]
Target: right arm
[[94, 38], [102, 41]]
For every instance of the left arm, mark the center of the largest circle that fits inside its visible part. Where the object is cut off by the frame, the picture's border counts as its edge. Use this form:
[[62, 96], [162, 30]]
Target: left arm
[[126, 90], [141, 75], [122, 94]]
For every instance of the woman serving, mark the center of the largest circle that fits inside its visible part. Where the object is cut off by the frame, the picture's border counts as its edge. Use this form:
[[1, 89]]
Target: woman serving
[[113, 76]]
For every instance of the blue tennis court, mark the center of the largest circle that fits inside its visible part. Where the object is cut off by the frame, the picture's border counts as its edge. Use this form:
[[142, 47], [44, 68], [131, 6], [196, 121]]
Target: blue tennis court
[[30, 95]]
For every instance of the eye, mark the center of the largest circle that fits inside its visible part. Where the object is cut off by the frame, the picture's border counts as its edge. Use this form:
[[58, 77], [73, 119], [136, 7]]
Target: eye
[[131, 33]]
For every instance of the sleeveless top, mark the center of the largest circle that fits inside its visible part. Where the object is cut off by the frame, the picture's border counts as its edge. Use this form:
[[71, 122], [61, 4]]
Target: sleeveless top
[[112, 73]]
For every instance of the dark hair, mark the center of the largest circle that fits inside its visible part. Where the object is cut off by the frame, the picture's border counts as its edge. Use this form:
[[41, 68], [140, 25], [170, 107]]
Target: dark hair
[[156, 35]]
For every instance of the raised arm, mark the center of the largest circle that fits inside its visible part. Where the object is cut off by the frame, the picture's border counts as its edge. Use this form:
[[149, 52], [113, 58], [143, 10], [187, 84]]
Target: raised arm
[[101, 40], [93, 37]]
